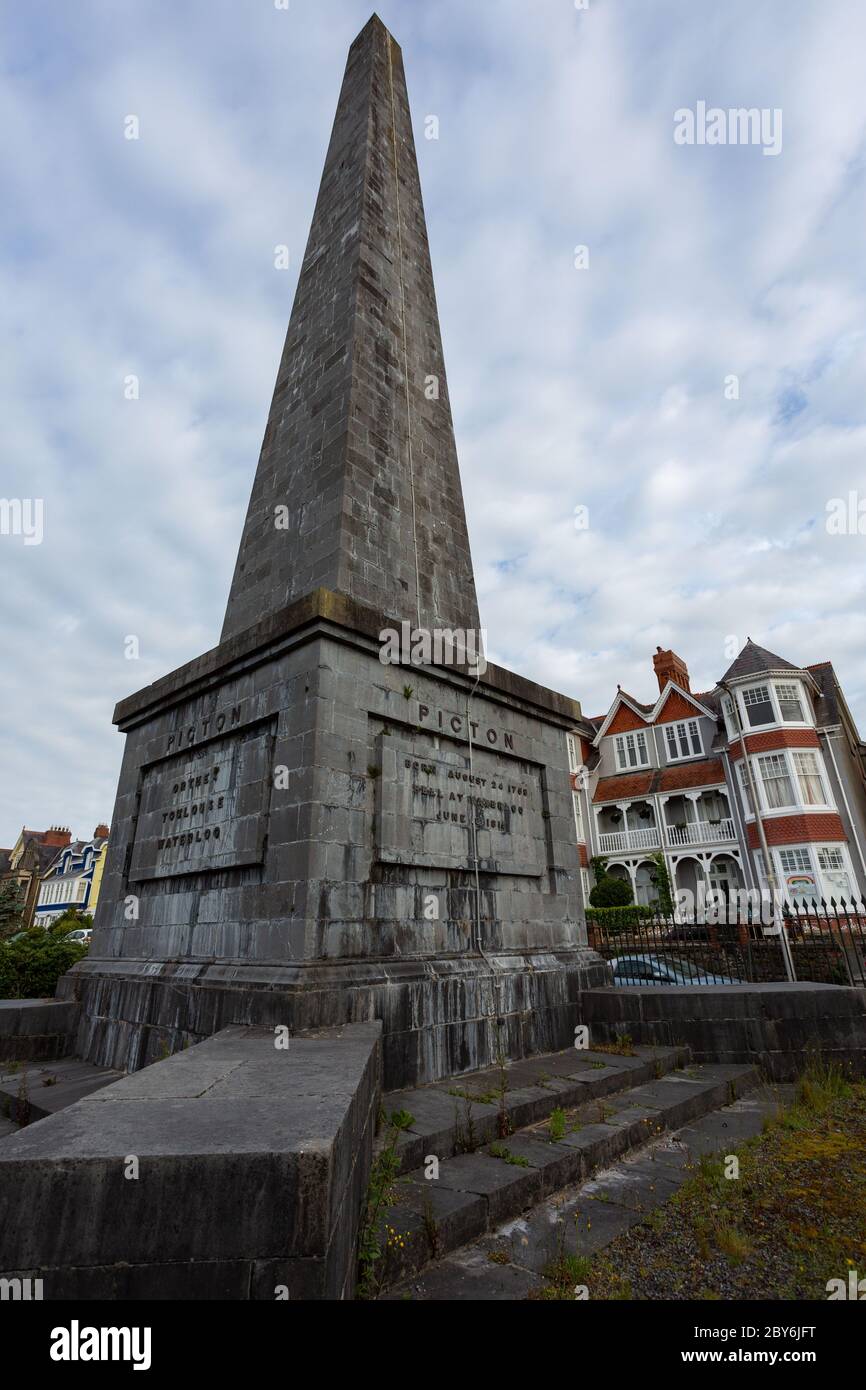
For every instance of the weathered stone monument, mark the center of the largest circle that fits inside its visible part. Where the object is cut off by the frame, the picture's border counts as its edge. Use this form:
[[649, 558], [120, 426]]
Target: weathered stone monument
[[305, 833]]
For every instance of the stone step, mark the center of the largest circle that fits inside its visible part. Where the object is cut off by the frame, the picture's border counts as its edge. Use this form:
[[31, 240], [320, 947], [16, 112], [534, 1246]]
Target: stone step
[[31, 1091], [464, 1112], [476, 1192], [510, 1262]]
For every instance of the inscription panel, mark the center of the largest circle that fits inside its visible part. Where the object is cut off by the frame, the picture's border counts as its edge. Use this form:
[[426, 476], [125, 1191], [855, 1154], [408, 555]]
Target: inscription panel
[[205, 808], [434, 809]]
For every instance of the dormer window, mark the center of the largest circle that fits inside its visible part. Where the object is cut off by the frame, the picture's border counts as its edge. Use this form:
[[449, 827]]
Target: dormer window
[[758, 705], [631, 751], [684, 740], [790, 706]]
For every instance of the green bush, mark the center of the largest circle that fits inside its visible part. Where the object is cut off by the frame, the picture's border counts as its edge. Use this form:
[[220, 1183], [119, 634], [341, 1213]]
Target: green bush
[[71, 920], [611, 892], [31, 967], [615, 917]]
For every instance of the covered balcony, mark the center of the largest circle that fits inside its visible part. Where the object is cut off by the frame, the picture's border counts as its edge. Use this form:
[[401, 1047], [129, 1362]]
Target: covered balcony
[[698, 818], [627, 825]]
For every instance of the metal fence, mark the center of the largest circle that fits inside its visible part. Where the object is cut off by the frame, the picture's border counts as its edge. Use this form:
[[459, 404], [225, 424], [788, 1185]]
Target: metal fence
[[811, 941]]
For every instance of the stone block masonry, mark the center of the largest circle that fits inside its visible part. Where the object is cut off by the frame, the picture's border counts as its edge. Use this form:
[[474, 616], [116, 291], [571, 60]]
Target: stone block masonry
[[343, 886], [781, 1027], [234, 1170]]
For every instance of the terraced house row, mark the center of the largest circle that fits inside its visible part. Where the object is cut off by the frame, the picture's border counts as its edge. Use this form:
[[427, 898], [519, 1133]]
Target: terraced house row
[[769, 765]]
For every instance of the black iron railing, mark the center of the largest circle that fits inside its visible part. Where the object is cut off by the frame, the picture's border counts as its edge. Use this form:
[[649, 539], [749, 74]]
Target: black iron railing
[[805, 940]]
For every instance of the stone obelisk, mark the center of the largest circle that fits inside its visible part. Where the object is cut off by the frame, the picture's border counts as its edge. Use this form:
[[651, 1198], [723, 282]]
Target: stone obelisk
[[359, 445], [307, 831]]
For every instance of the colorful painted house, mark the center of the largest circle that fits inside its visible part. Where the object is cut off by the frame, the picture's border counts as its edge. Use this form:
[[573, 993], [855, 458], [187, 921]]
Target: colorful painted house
[[26, 863], [758, 783], [74, 879]]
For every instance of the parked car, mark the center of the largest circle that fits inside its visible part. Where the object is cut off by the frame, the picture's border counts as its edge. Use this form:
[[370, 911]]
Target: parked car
[[655, 970], [81, 934]]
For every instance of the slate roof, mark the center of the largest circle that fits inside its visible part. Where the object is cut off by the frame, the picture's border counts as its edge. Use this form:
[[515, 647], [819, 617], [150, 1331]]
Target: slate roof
[[826, 704], [5, 856], [45, 856], [754, 661]]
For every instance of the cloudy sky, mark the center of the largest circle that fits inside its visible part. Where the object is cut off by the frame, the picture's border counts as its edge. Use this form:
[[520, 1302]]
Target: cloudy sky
[[606, 386]]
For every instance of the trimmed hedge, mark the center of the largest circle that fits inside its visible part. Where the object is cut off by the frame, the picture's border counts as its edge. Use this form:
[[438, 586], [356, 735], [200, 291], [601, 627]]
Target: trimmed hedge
[[613, 917], [610, 891], [31, 967]]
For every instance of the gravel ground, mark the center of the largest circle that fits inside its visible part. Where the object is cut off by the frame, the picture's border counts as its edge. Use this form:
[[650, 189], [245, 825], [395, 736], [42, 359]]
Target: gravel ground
[[795, 1217]]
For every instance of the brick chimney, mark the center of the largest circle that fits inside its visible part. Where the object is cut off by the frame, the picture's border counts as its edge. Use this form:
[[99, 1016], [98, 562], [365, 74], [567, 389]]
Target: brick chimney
[[670, 667], [58, 835], [101, 832]]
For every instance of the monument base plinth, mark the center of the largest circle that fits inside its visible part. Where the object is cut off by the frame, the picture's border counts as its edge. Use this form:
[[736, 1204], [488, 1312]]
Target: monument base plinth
[[305, 835], [439, 1017]]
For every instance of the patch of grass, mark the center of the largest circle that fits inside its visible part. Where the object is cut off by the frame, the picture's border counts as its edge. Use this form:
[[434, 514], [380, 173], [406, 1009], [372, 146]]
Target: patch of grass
[[556, 1124], [564, 1274], [500, 1151], [475, 1097], [465, 1137], [623, 1047], [732, 1243], [372, 1241], [431, 1229], [789, 1223]]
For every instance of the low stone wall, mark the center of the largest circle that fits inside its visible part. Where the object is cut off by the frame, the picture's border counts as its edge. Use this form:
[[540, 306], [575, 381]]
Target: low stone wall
[[234, 1170], [38, 1030], [781, 1026]]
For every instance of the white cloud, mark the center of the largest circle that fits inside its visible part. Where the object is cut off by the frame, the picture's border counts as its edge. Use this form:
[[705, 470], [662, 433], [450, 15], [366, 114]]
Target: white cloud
[[603, 387]]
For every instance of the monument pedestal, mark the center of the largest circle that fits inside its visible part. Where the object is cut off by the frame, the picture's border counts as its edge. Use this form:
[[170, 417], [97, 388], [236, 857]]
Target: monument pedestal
[[305, 836]]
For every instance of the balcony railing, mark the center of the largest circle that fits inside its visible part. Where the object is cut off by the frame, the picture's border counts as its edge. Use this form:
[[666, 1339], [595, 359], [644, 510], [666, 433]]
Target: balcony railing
[[701, 832], [619, 840]]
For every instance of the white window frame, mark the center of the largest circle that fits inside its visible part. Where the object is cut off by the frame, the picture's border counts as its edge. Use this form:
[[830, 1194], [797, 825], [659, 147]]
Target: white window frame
[[808, 867], [804, 853], [747, 704], [635, 736], [728, 715], [777, 756], [578, 817], [835, 850], [573, 761], [819, 772], [672, 733], [745, 789], [798, 695]]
